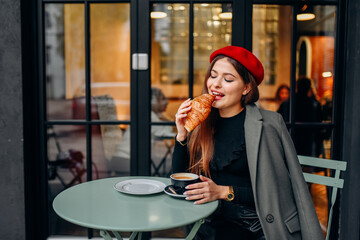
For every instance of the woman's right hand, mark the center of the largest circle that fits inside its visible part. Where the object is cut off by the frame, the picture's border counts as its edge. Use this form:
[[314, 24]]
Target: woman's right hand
[[180, 117]]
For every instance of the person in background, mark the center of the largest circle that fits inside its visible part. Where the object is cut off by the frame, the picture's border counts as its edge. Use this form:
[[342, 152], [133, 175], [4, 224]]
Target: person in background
[[245, 158], [282, 94], [159, 103], [307, 142]]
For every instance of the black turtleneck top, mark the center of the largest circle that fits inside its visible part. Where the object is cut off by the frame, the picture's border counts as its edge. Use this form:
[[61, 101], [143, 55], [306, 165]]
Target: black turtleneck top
[[229, 165]]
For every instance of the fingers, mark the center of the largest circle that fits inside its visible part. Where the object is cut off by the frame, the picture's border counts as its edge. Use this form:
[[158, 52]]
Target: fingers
[[183, 109], [202, 192], [201, 185], [201, 198], [180, 117], [202, 201], [198, 191]]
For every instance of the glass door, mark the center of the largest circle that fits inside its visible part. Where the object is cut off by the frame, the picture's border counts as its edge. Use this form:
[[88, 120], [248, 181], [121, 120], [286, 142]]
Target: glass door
[[88, 98], [112, 77]]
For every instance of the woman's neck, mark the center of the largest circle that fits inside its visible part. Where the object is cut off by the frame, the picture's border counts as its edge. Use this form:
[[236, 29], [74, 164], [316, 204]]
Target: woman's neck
[[227, 114]]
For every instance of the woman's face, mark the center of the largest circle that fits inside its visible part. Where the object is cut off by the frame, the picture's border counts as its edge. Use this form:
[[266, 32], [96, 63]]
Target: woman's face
[[284, 94], [228, 87]]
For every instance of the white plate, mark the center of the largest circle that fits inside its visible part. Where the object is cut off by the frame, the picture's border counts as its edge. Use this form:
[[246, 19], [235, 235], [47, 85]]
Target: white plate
[[168, 192], [140, 186]]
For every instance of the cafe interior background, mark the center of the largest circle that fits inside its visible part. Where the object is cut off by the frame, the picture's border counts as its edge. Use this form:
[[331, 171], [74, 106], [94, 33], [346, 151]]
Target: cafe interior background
[[106, 110]]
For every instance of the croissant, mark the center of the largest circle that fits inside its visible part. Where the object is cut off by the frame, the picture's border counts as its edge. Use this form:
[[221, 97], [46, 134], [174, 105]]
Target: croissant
[[200, 109]]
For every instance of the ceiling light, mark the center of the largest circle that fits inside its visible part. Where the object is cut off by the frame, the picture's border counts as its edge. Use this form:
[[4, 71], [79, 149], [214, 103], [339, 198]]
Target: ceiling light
[[326, 74], [225, 15], [226, 11], [305, 14], [156, 15]]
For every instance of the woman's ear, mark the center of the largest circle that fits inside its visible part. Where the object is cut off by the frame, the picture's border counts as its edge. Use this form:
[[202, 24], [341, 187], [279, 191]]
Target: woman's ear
[[247, 89]]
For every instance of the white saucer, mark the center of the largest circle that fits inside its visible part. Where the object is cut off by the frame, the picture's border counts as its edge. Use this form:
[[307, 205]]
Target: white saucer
[[139, 186]]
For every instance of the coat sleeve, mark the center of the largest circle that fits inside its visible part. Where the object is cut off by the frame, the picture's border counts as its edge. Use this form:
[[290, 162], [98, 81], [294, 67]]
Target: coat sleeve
[[310, 226]]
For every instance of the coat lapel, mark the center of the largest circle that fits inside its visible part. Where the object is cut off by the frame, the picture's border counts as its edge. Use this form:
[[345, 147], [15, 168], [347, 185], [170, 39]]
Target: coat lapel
[[253, 127]]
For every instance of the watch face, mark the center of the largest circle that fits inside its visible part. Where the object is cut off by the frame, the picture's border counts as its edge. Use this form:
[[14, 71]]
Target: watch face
[[230, 196]]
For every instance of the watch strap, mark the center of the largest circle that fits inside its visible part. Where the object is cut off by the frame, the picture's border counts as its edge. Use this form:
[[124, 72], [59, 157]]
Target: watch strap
[[230, 196]]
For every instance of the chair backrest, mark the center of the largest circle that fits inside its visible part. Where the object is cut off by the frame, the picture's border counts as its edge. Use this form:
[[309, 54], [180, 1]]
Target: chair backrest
[[335, 182]]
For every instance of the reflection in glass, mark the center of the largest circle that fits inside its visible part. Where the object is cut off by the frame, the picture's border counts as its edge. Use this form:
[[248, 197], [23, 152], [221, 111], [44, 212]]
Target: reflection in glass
[[111, 150], [315, 55], [162, 147], [170, 54], [170, 44], [64, 59], [272, 27], [110, 59], [162, 136], [212, 30], [170, 47], [159, 103], [66, 148]]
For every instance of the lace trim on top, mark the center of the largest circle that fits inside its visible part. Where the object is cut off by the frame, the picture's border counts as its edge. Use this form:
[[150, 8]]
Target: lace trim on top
[[230, 134]]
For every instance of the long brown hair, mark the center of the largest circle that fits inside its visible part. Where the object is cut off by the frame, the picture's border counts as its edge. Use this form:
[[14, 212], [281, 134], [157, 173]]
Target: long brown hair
[[201, 140]]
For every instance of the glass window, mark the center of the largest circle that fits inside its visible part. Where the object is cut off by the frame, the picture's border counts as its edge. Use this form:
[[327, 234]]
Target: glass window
[[170, 47], [66, 97], [65, 60], [66, 148], [162, 144], [110, 59], [272, 31], [315, 56], [111, 150], [169, 78], [170, 55], [212, 30]]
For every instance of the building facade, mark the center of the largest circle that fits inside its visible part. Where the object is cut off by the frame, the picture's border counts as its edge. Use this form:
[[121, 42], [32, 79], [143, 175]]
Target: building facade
[[98, 83]]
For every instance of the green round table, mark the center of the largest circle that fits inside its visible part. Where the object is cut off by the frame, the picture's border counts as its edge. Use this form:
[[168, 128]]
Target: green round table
[[98, 205]]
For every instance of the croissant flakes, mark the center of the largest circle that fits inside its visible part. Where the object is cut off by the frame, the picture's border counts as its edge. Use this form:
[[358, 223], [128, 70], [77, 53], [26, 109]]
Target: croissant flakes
[[200, 109]]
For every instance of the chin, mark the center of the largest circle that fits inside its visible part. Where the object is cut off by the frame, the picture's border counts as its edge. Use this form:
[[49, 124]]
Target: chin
[[216, 105]]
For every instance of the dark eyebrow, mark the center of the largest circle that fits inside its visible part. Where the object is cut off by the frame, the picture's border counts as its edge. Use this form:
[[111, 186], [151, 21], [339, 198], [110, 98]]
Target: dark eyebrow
[[213, 70], [230, 74]]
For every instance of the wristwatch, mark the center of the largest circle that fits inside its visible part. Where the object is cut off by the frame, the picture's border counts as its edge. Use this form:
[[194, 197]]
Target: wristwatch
[[230, 195]]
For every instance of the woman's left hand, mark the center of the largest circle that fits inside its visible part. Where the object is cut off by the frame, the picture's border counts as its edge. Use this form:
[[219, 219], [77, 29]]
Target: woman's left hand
[[205, 191]]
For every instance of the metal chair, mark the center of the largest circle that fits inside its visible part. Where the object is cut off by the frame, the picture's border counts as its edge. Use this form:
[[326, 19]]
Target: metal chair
[[335, 181], [72, 160]]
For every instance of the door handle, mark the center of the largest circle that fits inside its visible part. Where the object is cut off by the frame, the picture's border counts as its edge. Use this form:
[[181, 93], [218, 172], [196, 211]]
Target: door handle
[[140, 61]]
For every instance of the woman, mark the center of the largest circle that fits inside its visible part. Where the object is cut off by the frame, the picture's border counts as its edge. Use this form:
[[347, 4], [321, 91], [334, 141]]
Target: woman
[[245, 157], [282, 94]]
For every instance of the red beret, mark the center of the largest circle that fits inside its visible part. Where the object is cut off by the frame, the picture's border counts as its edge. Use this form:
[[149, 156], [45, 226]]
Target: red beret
[[245, 57]]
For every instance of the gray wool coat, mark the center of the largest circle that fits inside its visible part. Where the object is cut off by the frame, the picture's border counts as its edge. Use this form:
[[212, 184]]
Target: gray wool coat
[[282, 199]]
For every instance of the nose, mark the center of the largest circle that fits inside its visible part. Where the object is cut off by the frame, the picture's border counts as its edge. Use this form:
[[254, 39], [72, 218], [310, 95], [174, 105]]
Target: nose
[[217, 82]]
